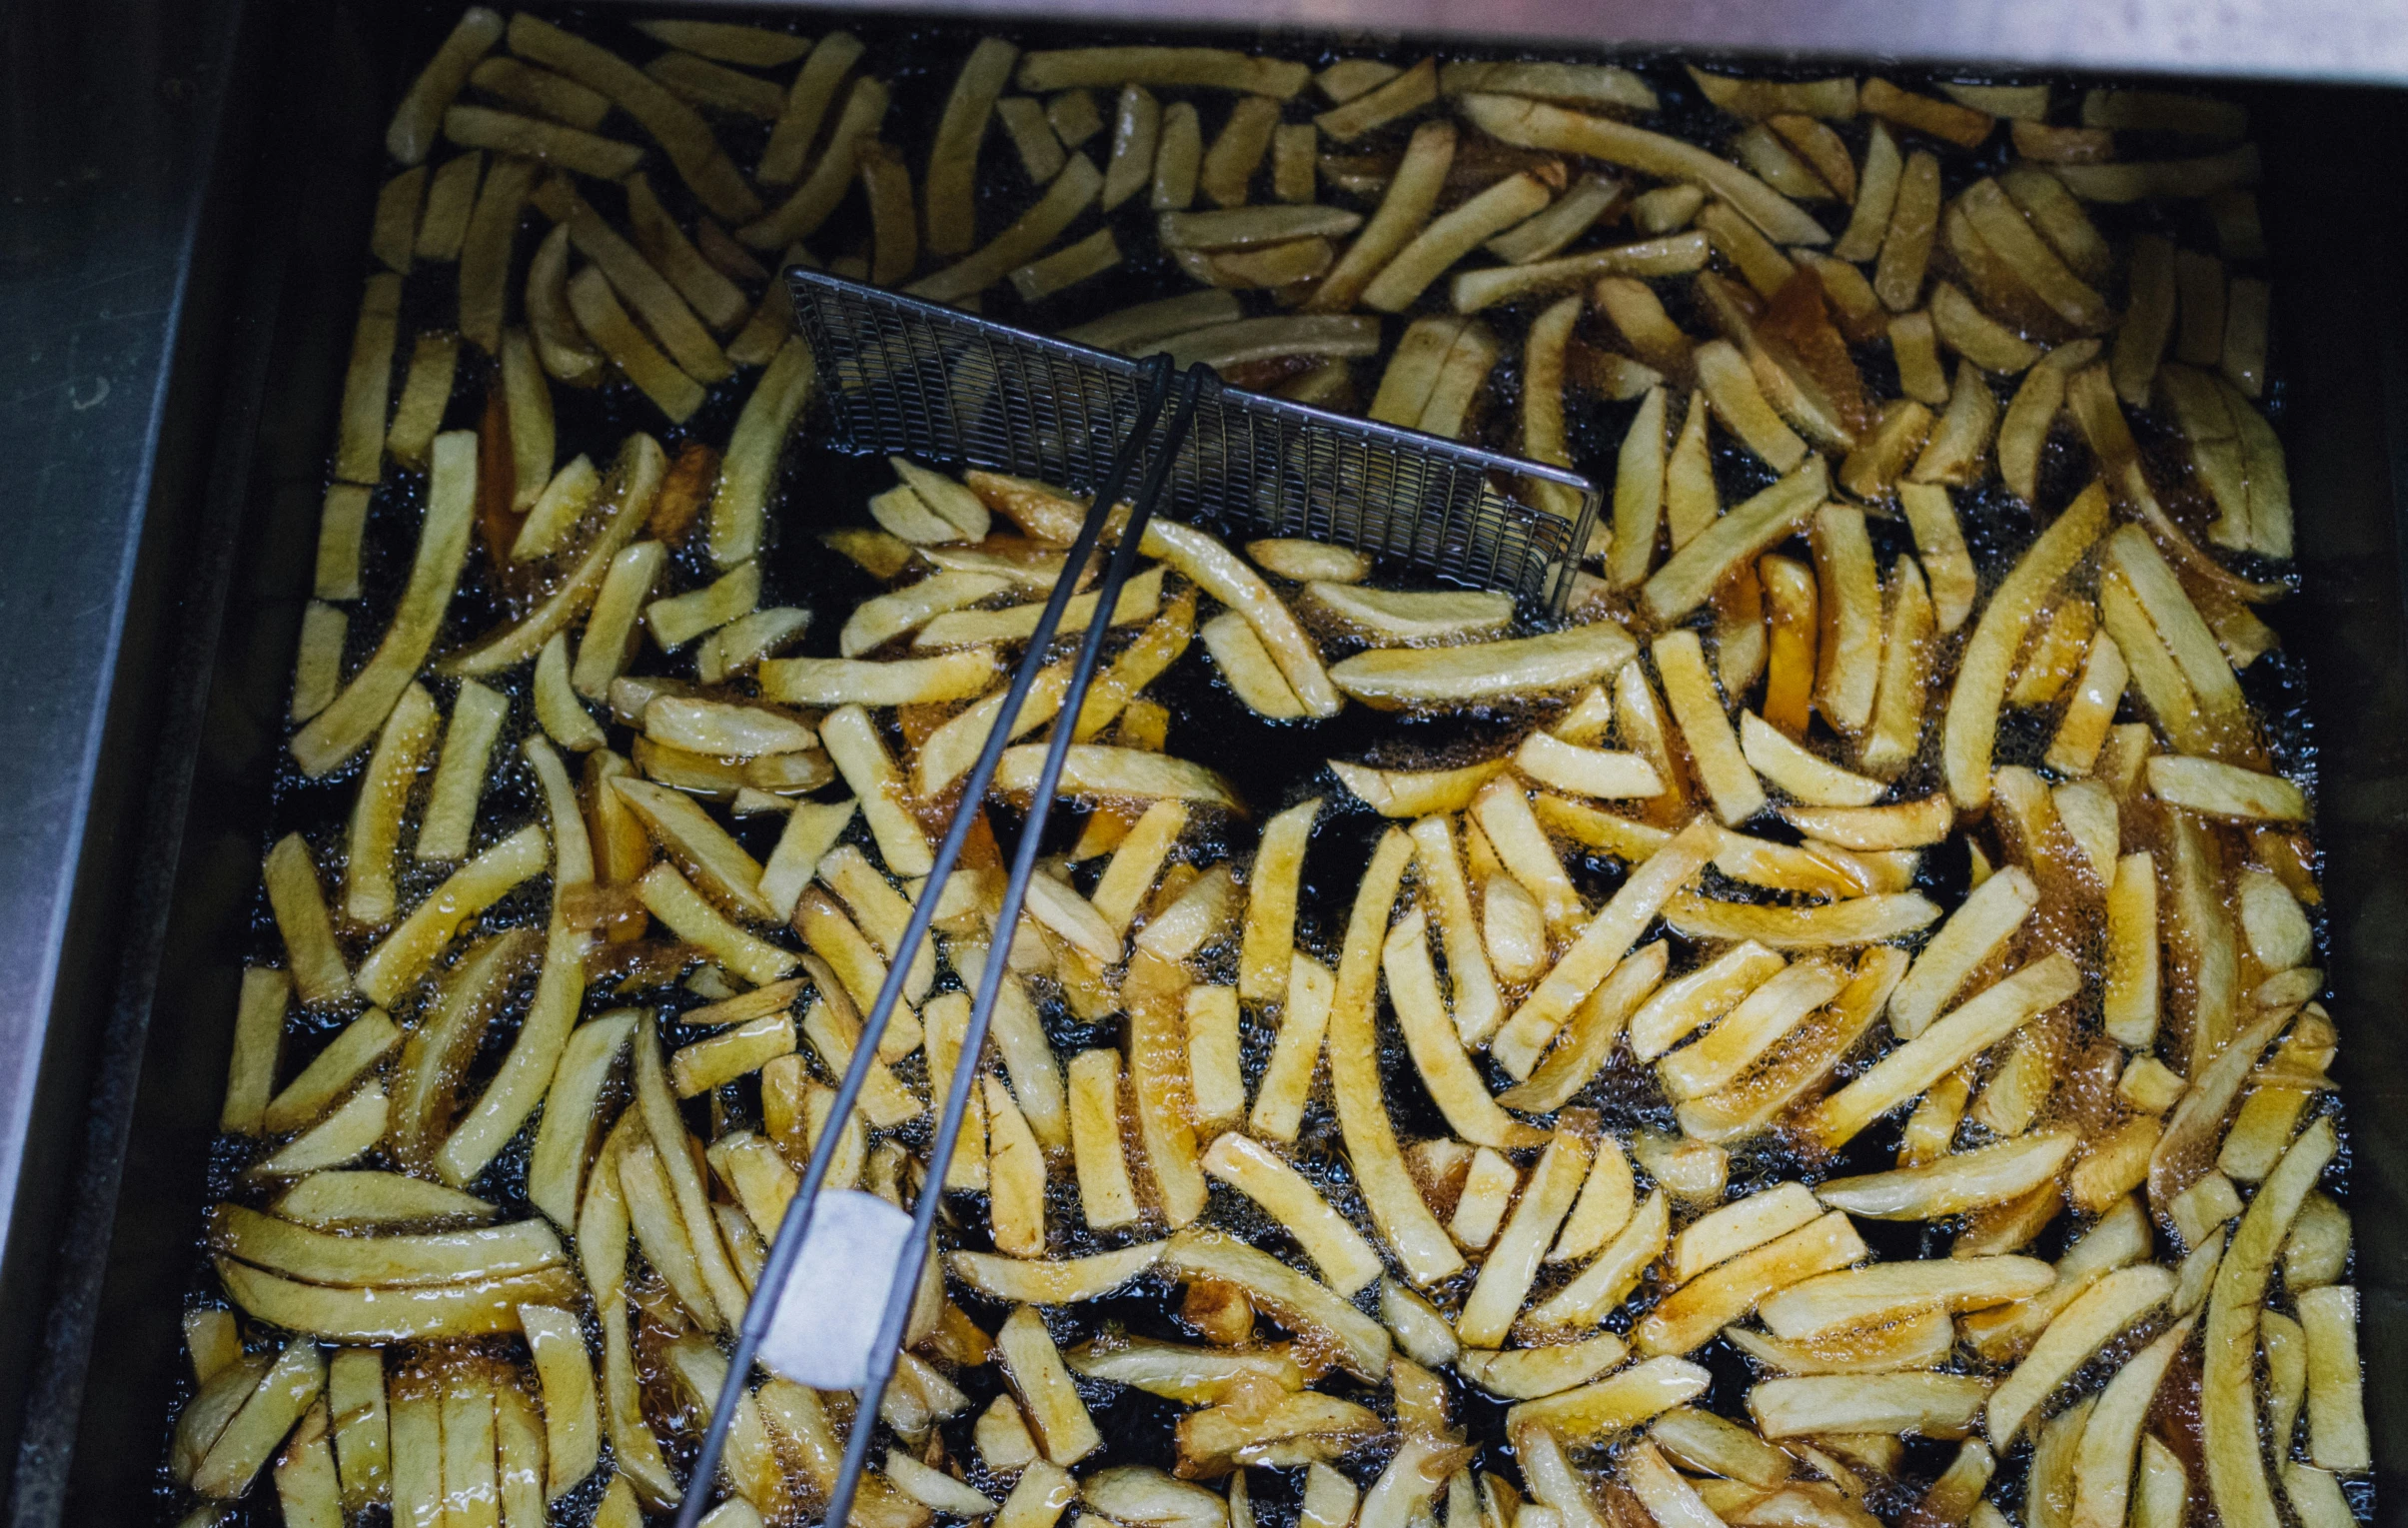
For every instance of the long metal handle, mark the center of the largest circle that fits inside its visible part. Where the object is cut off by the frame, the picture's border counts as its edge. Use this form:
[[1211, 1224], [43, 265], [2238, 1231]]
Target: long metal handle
[[793, 1230]]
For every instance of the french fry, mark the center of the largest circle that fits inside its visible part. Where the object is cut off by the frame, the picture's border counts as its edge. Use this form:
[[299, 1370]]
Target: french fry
[[1739, 403], [1279, 1099], [954, 159], [1874, 468], [1436, 1048], [1858, 920], [1105, 1195], [676, 126], [2337, 1437], [1963, 1033], [1268, 339], [1639, 494], [1906, 243], [1359, 1343], [1950, 1184], [329, 1075], [1588, 1039], [1136, 134], [1752, 1028], [1179, 156], [1929, 1403], [284, 1394], [451, 194], [1803, 775], [411, 133], [1545, 233], [1411, 617], [1610, 1278], [1691, 1315], [1218, 571], [1534, 1373], [1445, 239], [2220, 790], [1976, 930], [1981, 677], [1397, 1207], [1401, 94], [1607, 938], [1346, 1260], [833, 175], [1534, 124], [2236, 1472], [1200, 68], [1692, 1002], [1619, 1403], [1478, 674]]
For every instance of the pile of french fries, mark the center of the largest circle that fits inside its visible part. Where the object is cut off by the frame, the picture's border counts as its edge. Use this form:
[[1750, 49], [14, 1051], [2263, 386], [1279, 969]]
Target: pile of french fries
[[1835, 872]]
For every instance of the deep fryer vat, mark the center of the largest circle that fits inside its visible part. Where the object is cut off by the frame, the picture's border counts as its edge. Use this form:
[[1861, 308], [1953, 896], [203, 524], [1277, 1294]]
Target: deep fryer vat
[[322, 81]]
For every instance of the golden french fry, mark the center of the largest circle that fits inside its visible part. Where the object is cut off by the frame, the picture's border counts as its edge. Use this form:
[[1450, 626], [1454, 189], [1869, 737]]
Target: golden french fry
[[1534, 124]]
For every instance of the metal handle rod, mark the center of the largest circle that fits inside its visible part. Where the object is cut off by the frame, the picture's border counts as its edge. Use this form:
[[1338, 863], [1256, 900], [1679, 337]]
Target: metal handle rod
[[914, 1263], [793, 1230]]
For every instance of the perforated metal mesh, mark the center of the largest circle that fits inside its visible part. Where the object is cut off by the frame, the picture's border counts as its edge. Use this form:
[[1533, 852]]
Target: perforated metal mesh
[[900, 375]]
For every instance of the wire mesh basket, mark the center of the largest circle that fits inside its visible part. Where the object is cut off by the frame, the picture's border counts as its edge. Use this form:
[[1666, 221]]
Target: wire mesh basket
[[908, 376]]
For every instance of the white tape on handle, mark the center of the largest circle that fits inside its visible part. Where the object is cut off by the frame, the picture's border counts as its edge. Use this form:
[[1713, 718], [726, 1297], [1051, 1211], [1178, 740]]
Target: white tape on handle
[[826, 1317]]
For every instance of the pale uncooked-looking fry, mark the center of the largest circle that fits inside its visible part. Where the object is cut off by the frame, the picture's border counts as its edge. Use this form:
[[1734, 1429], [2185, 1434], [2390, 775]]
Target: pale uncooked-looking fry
[[1977, 929], [1511, 1265], [2236, 1471], [654, 375], [1906, 245], [1445, 239], [1221, 573], [664, 312], [1752, 1028], [1437, 1053], [1105, 1194], [1178, 151], [1940, 543], [1804, 776], [2337, 1436], [1024, 123], [1609, 937], [339, 730]]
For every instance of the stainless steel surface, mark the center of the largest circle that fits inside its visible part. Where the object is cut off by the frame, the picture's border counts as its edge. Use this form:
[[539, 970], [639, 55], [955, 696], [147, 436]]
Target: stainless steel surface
[[908, 376], [107, 147], [2362, 41]]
